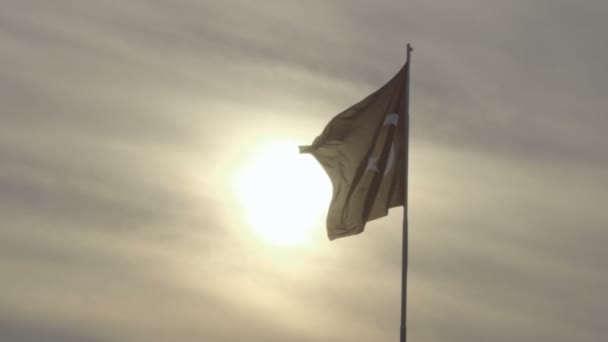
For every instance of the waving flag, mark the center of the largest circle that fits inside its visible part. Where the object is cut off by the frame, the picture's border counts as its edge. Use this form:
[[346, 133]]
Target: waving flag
[[363, 150]]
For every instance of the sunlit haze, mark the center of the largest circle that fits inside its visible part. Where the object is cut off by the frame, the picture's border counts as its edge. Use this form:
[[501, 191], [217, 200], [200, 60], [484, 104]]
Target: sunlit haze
[[283, 194], [151, 188]]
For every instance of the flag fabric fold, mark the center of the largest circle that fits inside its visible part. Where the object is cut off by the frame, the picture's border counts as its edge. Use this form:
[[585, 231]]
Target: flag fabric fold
[[362, 150]]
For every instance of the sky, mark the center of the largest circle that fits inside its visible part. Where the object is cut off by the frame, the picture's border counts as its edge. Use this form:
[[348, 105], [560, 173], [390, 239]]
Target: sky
[[125, 124]]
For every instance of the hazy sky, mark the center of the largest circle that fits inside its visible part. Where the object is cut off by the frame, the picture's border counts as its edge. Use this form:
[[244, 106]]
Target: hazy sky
[[122, 123]]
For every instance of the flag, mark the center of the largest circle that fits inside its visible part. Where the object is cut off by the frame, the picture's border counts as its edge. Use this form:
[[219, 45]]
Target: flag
[[363, 151]]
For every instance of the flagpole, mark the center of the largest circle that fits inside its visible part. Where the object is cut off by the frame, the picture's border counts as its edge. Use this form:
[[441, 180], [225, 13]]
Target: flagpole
[[404, 246]]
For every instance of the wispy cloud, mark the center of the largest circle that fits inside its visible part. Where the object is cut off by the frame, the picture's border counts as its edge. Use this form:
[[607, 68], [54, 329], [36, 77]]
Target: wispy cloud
[[121, 122]]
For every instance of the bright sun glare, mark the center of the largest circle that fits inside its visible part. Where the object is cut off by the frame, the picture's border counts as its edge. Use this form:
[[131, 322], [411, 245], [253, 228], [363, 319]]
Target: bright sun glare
[[283, 194]]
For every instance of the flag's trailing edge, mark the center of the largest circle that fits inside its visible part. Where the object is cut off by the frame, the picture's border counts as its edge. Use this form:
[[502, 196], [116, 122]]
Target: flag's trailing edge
[[363, 150]]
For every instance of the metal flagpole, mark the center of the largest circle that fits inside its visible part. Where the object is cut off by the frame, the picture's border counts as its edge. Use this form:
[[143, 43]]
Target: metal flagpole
[[404, 251]]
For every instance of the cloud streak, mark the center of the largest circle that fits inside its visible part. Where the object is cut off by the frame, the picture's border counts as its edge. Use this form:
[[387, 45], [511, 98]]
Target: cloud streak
[[122, 123]]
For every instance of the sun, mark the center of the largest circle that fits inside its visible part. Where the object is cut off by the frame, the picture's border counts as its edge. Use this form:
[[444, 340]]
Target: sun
[[283, 194]]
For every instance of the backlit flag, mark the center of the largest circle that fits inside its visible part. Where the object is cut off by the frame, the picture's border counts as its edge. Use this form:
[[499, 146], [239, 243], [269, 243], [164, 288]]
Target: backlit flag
[[363, 150]]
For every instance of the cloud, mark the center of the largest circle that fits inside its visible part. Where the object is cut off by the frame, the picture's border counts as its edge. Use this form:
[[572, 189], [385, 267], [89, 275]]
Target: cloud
[[18, 331], [121, 124]]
